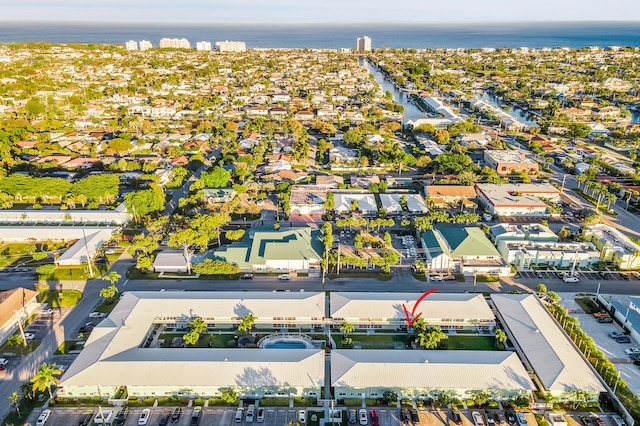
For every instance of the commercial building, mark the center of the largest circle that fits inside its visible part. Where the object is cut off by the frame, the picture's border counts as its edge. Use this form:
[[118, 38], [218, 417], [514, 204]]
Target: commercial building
[[117, 216], [534, 232], [127, 350], [175, 43], [451, 195], [506, 162], [522, 199], [560, 368], [172, 261], [626, 309], [231, 46], [465, 250], [16, 306], [363, 44], [428, 374], [372, 311], [525, 254], [266, 250], [614, 246], [203, 46]]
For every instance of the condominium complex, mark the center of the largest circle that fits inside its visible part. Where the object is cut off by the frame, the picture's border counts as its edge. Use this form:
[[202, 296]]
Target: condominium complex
[[363, 44], [131, 45], [176, 43], [145, 45], [231, 46], [203, 45]]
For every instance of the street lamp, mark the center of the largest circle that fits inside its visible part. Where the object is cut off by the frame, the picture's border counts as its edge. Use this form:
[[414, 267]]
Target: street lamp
[[474, 280]]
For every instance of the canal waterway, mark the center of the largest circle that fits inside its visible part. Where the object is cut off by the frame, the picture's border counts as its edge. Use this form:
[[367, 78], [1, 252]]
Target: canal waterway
[[521, 115], [411, 110]]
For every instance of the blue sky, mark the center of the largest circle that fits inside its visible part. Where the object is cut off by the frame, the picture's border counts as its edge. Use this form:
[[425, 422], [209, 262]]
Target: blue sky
[[267, 11]]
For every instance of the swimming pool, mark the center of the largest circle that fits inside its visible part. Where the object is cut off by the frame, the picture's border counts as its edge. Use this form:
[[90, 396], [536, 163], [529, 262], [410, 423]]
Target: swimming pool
[[285, 344]]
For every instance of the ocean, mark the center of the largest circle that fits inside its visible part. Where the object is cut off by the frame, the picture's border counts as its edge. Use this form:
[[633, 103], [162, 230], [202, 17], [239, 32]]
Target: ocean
[[335, 36]]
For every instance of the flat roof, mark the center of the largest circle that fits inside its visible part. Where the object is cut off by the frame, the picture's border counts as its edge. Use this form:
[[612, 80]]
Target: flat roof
[[389, 305], [554, 358], [429, 369], [113, 355]]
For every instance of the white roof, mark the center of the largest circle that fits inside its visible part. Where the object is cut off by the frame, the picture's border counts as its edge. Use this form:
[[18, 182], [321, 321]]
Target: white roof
[[113, 354], [389, 305], [391, 202], [366, 201], [170, 259], [555, 360], [429, 369]]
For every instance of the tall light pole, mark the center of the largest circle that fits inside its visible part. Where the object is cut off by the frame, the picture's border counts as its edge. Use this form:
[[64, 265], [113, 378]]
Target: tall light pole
[[24, 339], [86, 249]]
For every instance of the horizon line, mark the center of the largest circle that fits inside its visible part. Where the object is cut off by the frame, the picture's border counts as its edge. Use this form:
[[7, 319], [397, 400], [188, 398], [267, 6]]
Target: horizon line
[[187, 22]]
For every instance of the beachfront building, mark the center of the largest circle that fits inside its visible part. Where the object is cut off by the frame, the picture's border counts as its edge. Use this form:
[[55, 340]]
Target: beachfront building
[[203, 46], [464, 250], [428, 374], [517, 199], [506, 162], [174, 43], [266, 250], [16, 306], [383, 311], [133, 349], [451, 195], [560, 368], [614, 246], [131, 45], [363, 44], [231, 46]]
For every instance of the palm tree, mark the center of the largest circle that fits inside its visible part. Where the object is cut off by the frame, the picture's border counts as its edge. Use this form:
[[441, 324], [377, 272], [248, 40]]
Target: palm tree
[[191, 338], [113, 277], [247, 323], [15, 398], [198, 326], [431, 338], [45, 377], [501, 338], [346, 327]]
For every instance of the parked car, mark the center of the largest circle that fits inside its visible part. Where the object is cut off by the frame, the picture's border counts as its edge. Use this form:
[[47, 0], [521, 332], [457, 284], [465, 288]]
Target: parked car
[[614, 334], [302, 416], [352, 416], [415, 417], [630, 351], [522, 421], [617, 420], [121, 417], [284, 277], [97, 315], [625, 276], [247, 277], [478, 419], [584, 420], [605, 320], [455, 416], [375, 420], [3, 364], [623, 339], [175, 415], [570, 279], [239, 414], [45, 310], [362, 416], [85, 418], [164, 420], [500, 418], [597, 420], [601, 314], [195, 416], [248, 418], [260, 415], [511, 418], [144, 416], [43, 417], [86, 329], [29, 336]]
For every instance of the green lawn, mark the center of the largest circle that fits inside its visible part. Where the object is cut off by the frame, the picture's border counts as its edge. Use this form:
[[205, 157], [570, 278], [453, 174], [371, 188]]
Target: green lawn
[[216, 340], [17, 253], [63, 299], [106, 306], [20, 350], [471, 343], [66, 346], [374, 341], [78, 273]]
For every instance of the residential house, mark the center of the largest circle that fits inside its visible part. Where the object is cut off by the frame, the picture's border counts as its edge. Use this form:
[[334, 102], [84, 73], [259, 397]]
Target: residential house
[[17, 305], [506, 162], [451, 195]]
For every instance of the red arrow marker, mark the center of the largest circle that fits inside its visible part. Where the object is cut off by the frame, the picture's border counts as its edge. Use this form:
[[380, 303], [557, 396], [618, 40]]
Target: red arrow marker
[[410, 318]]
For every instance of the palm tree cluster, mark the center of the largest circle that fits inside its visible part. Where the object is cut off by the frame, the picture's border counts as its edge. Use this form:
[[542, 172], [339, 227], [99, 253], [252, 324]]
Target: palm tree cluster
[[428, 337]]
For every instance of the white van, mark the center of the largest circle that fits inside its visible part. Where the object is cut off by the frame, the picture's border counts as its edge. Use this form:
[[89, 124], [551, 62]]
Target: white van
[[249, 416]]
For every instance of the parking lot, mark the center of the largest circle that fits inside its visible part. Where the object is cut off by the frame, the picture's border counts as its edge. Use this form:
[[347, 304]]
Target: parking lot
[[587, 276], [613, 351]]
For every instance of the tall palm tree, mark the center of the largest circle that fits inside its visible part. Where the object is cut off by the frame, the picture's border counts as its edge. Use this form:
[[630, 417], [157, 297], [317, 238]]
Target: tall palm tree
[[346, 327], [501, 337], [198, 325], [45, 377], [15, 398], [247, 322]]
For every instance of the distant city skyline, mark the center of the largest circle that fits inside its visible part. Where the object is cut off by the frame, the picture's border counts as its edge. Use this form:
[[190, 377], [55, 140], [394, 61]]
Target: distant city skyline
[[328, 11]]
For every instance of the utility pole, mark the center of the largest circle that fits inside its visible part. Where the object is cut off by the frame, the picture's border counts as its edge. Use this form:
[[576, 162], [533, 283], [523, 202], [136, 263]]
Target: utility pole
[[86, 249], [24, 339], [564, 178], [338, 270]]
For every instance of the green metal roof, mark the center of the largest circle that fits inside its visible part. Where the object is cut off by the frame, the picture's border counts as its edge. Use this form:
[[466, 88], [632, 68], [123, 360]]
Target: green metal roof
[[458, 241], [259, 245]]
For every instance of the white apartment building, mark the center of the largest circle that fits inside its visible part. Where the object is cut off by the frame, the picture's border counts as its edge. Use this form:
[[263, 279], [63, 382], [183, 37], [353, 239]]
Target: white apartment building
[[175, 43], [131, 45], [363, 44], [145, 45], [231, 46], [614, 246], [203, 46]]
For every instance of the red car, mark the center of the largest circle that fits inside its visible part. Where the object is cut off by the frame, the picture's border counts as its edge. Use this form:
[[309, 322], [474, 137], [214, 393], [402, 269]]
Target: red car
[[374, 418]]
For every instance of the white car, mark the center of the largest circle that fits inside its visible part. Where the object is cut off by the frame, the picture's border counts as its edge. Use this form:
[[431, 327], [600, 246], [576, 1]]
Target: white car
[[29, 336], [362, 416], [632, 351], [284, 277], [144, 416], [478, 420], [302, 416], [45, 310], [97, 315], [3, 362], [570, 279], [43, 417]]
